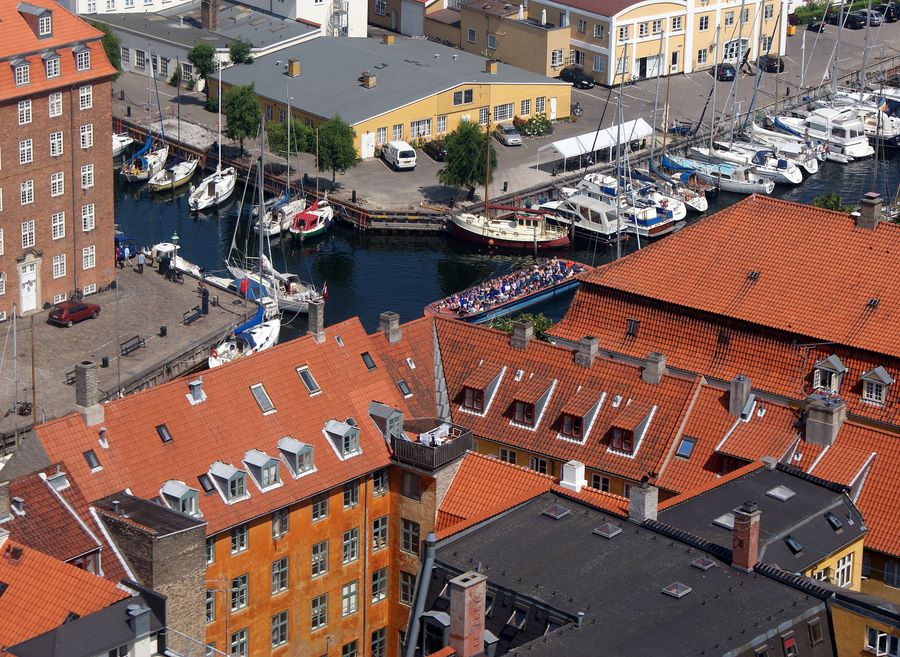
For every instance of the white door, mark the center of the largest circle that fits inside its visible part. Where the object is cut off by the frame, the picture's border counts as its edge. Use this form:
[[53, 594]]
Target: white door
[[653, 64], [367, 145], [28, 287], [553, 108]]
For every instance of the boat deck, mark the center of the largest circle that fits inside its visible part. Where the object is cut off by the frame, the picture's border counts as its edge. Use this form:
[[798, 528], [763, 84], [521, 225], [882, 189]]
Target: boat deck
[[145, 303]]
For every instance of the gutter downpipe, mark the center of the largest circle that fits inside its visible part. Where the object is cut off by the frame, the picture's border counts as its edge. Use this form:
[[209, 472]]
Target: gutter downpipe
[[412, 637]]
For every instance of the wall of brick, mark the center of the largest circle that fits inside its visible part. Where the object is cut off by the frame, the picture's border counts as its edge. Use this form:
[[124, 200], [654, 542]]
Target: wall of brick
[[179, 573]]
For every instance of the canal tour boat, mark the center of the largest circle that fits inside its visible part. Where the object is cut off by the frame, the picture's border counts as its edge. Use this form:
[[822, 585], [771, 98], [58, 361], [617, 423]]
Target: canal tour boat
[[522, 229], [511, 292], [313, 221]]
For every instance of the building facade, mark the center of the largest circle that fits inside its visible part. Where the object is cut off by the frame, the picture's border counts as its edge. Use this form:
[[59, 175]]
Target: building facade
[[56, 178]]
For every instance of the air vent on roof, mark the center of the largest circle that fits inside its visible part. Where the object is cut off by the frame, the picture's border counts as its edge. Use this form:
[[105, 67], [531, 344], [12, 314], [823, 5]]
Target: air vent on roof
[[781, 493], [556, 511], [339, 340], [703, 563], [726, 521], [834, 521], [793, 544], [872, 303], [753, 276], [608, 530], [519, 375], [677, 590]]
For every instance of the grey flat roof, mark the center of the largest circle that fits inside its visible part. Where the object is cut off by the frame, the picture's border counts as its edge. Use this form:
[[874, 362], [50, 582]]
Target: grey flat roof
[[150, 515], [538, 564], [407, 70], [181, 25], [802, 516]]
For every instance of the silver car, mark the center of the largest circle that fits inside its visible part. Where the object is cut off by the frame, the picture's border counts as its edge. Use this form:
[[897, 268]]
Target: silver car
[[508, 135], [875, 17]]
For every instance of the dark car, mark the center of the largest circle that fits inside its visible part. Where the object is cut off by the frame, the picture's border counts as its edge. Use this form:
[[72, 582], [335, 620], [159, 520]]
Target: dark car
[[816, 25], [889, 11], [855, 21], [771, 64], [436, 150], [724, 72], [831, 17], [72, 312], [577, 77]]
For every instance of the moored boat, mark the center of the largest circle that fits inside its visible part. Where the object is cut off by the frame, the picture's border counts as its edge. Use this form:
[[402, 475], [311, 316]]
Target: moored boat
[[313, 221], [120, 141], [172, 176], [840, 130], [146, 162], [728, 177], [522, 229]]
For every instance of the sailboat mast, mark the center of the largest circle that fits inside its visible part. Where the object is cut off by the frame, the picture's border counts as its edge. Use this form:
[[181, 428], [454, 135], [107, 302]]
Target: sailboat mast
[[666, 105], [219, 99], [712, 118], [487, 163], [619, 149], [865, 63], [837, 47], [178, 98], [737, 74], [290, 129], [659, 68]]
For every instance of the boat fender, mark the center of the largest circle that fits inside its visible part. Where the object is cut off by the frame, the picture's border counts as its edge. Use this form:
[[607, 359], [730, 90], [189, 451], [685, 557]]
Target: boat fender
[[215, 353]]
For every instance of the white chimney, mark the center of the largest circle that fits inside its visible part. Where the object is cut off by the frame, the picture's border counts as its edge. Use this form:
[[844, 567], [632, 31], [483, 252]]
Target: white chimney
[[196, 394], [573, 476]]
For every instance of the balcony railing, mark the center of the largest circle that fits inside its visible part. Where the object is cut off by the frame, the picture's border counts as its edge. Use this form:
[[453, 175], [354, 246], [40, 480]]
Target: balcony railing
[[430, 457]]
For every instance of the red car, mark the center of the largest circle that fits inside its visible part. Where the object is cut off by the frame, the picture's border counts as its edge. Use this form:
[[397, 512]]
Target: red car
[[71, 312]]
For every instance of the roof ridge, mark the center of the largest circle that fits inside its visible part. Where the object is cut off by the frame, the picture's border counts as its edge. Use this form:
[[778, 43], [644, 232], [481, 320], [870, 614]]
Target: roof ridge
[[514, 466], [690, 539], [798, 582], [558, 489], [800, 474]]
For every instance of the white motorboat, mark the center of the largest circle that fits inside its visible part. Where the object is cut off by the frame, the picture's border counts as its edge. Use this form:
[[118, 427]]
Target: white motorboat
[[280, 218], [608, 189], [313, 221], [729, 177], [213, 190], [690, 190], [172, 176], [120, 141], [764, 161], [259, 333], [807, 156], [840, 130], [146, 163], [585, 215], [879, 126]]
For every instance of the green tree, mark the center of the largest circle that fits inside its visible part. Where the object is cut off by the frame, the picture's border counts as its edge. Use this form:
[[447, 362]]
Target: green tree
[[831, 201], [465, 163], [336, 149], [203, 58], [241, 108], [239, 51], [541, 323], [303, 138], [112, 45]]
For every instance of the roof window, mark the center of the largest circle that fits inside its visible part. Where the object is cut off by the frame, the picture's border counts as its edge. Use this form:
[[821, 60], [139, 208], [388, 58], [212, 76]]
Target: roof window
[[686, 447], [703, 563], [556, 511], [793, 544], [677, 590], [781, 493], [264, 469], [262, 399], [834, 521], [93, 462], [608, 530], [523, 413], [206, 483], [339, 340], [404, 388], [297, 455], [308, 380], [827, 374], [367, 359], [231, 481], [164, 433], [344, 437], [725, 521], [632, 326], [411, 363], [572, 426], [518, 618], [875, 383], [473, 399], [181, 497]]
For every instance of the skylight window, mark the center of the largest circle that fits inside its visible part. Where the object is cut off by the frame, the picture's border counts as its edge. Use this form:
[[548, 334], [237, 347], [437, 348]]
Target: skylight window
[[411, 363], [793, 544], [781, 493], [677, 590], [339, 340], [703, 563], [404, 388], [834, 521], [517, 618], [725, 521], [92, 460], [367, 359], [686, 447], [262, 398], [633, 326], [556, 511], [608, 530], [308, 380], [206, 483], [164, 434]]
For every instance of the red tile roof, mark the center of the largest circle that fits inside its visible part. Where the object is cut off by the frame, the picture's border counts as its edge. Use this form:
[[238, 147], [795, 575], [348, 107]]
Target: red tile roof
[[711, 484], [41, 591], [443, 652], [485, 486], [417, 343], [229, 423]]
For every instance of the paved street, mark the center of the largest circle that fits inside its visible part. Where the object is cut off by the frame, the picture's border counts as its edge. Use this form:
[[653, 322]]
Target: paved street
[[379, 187]]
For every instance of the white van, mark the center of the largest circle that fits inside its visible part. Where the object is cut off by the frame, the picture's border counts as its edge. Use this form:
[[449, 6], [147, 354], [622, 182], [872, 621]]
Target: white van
[[399, 155]]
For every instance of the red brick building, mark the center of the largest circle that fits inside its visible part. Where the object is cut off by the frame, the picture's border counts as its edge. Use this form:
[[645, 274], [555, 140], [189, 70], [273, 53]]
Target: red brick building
[[56, 178]]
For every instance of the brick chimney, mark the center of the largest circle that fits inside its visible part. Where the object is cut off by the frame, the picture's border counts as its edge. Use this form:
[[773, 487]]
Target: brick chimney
[[745, 537], [522, 332], [643, 502], [209, 14], [870, 211], [467, 599], [389, 324], [586, 351], [87, 393], [654, 368], [824, 418], [316, 320], [738, 394]]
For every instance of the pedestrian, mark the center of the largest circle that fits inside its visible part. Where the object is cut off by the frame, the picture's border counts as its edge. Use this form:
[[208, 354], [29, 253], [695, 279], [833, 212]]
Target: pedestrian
[[141, 263], [119, 262]]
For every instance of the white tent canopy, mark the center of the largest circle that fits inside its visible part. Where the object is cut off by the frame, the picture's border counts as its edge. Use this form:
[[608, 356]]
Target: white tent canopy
[[598, 140]]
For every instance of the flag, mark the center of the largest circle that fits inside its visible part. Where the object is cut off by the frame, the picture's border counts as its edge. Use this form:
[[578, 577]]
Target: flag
[[883, 104], [325, 291]]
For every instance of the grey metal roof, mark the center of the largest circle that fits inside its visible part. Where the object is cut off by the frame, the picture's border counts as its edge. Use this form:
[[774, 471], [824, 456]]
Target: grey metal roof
[[832, 363], [257, 458], [223, 470], [291, 445], [880, 375], [26, 8], [554, 569], [802, 516], [406, 71], [155, 517], [175, 488]]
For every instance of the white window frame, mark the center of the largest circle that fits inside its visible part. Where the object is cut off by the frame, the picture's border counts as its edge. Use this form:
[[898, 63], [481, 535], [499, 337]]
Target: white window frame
[[83, 60], [643, 30], [491, 41], [87, 176], [507, 455], [57, 225], [441, 124], [504, 112], [703, 24], [26, 192], [420, 128], [85, 97], [825, 380], [350, 598], [54, 104], [24, 112], [56, 143], [623, 32], [556, 57], [843, 573], [599, 64], [729, 18], [656, 26], [87, 135], [397, 131], [88, 257], [525, 107], [23, 75], [677, 23], [702, 56], [88, 218], [57, 184], [28, 234], [45, 25], [26, 151], [540, 104], [140, 60], [52, 67], [59, 265], [538, 464], [599, 30], [380, 7]]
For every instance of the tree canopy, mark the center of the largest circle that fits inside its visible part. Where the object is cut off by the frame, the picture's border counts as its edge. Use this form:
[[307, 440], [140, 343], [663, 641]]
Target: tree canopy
[[336, 149], [203, 58], [242, 116], [465, 163], [831, 201], [541, 323], [239, 52], [303, 138], [112, 45]]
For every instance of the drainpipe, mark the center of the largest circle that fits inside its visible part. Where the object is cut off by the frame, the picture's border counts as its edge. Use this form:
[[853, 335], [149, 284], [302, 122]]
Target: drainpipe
[[412, 638]]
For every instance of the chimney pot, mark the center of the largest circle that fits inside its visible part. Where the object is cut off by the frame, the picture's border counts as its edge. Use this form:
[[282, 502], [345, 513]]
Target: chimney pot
[[745, 537], [18, 505], [643, 503], [388, 39], [104, 443], [209, 14], [573, 476], [870, 211], [490, 66], [293, 69], [587, 351], [467, 599], [196, 394], [738, 394], [824, 418], [389, 324], [316, 320], [522, 332], [654, 368], [87, 397]]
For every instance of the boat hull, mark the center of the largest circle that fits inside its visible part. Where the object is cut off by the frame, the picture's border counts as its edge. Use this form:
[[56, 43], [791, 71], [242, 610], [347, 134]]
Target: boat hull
[[213, 190], [467, 234], [155, 162], [181, 175]]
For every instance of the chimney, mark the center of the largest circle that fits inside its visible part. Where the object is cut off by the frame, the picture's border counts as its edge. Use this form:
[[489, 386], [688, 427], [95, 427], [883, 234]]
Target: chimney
[[209, 14], [824, 417], [196, 394], [522, 332], [369, 80], [642, 504], [293, 69], [467, 598], [58, 480], [654, 368], [87, 398], [745, 537], [316, 320], [738, 394], [573, 476], [4, 500], [139, 620], [490, 66], [387, 39], [586, 351], [389, 324], [870, 211]]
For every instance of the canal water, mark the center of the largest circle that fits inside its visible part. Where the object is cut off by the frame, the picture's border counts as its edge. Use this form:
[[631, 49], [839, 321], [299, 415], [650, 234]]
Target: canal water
[[368, 273]]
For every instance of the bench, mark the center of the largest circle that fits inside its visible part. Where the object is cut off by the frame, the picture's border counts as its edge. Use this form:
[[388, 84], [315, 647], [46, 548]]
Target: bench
[[131, 345], [191, 316], [70, 378]]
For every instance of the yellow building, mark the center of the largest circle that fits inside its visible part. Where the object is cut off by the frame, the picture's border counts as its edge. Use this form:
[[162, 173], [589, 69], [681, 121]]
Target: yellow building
[[863, 625], [395, 88]]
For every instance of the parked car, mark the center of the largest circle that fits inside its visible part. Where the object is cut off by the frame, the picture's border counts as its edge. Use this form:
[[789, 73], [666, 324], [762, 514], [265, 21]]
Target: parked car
[[875, 17], [67, 313], [436, 150], [724, 72], [889, 11], [577, 77], [831, 17], [507, 134], [816, 25], [771, 64], [855, 21]]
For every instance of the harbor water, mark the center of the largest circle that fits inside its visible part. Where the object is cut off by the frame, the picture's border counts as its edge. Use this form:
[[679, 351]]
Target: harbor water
[[368, 273]]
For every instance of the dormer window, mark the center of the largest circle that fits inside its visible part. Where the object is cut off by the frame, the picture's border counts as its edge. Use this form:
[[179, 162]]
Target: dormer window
[[875, 385], [827, 374], [344, 438], [52, 66], [530, 397], [45, 25], [474, 399], [181, 497], [523, 413], [83, 60], [622, 440], [264, 469], [297, 455], [629, 427], [237, 487], [22, 74], [232, 483], [572, 426]]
